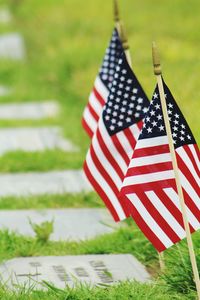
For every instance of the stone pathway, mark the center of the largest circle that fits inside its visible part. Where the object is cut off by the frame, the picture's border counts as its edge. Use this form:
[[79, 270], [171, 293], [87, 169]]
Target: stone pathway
[[72, 224], [40, 183], [67, 270], [28, 110], [32, 139], [12, 46]]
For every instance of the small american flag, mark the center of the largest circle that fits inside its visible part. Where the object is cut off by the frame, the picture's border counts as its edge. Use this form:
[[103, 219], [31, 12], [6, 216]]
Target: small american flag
[[149, 189], [114, 140], [102, 85]]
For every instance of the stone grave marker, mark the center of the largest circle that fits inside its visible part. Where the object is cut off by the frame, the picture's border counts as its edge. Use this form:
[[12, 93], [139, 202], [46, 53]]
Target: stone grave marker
[[29, 110], [12, 46], [69, 224], [67, 270], [40, 183], [32, 139]]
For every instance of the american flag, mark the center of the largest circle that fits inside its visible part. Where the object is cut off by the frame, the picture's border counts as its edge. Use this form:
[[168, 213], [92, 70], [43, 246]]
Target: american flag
[[114, 140], [149, 189], [102, 85]]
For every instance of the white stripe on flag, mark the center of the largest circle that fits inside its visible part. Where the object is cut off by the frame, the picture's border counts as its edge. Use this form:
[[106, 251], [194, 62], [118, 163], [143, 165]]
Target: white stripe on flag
[[95, 104], [189, 189], [101, 89], [152, 142], [149, 160], [147, 178], [105, 162], [111, 147], [146, 216], [195, 156], [91, 122], [170, 192], [183, 154], [165, 213], [104, 185]]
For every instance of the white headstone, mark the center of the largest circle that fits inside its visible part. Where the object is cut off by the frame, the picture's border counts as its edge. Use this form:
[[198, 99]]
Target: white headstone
[[29, 110], [4, 90], [32, 139], [5, 15], [67, 270], [68, 224], [12, 46], [41, 183]]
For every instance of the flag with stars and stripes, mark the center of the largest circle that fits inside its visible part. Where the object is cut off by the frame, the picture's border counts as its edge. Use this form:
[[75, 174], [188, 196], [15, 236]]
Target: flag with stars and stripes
[[149, 189], [102, 85], [114, 140]]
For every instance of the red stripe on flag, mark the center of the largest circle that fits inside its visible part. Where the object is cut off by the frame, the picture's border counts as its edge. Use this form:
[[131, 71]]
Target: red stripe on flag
[[148, 169], [161, 149], [120, 149], [101, 100], [101, 192], [103, 172], [87, 128], [108, 155], [162, 223], [144, 227], [93, 112]]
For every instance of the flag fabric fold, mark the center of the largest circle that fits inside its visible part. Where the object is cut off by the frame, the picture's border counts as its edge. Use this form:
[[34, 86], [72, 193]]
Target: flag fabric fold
[[149, 188], [115, 137], [102, 84]]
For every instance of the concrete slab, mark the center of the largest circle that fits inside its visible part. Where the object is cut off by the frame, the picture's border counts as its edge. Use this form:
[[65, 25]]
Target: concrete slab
[[32, 139], [72, 224], [67, 270], [40, 183], [28, 110], [12, 46]]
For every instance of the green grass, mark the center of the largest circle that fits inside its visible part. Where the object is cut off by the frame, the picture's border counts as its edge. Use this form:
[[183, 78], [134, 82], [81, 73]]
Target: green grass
[[65, 42], [51, 201]]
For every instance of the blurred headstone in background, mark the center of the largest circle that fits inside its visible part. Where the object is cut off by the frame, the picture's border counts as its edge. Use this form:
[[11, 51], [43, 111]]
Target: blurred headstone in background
[[12, 46], [41, 183], [72, 224], [5, 15], [28, 110], [33, 139]]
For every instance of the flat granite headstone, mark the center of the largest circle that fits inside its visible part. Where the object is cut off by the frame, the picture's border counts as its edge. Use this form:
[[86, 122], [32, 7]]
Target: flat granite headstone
[[40, 183], [67, 270], [28, 111], [32, 139], [12, 46], [72, 224]]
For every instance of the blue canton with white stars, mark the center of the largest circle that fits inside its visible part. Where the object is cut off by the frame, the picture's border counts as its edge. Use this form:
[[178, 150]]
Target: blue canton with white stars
[[154, 122], [113, 53], [127, 102]]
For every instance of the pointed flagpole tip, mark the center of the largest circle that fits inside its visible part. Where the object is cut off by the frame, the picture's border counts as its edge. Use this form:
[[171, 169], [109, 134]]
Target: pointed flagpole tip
[[116, 11], [123, 37], [156, 59]]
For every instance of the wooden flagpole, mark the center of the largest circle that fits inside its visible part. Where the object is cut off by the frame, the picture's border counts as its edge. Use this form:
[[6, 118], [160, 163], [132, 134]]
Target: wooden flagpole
[[116, 15], [125, 44], [158, 73], [161, 261], [121, 31]]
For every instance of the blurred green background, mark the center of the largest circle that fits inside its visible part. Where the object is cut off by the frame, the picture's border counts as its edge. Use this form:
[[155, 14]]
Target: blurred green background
[[65, 43]]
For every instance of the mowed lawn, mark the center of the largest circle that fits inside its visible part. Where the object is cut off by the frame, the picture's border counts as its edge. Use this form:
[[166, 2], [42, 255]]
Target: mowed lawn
[[65, 43]]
